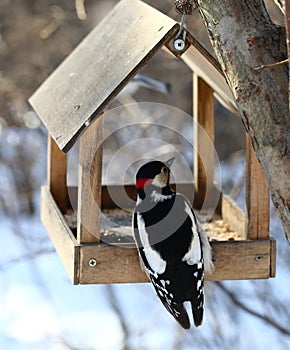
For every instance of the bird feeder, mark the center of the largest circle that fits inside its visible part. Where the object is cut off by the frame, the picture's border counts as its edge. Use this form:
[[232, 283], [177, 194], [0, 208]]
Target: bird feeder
[[71, 104]]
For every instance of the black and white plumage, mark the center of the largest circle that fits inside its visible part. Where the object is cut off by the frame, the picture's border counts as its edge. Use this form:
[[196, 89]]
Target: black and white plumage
[[174, 251]]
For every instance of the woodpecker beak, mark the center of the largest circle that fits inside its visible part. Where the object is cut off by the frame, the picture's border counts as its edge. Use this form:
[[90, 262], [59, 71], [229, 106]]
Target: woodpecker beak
[[169, 162]]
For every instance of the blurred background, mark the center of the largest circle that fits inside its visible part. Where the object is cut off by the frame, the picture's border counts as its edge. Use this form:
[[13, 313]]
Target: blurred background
[[39, 309]]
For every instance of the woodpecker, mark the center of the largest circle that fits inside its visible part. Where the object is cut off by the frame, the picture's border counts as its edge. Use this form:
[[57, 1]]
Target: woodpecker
[[174, 251]]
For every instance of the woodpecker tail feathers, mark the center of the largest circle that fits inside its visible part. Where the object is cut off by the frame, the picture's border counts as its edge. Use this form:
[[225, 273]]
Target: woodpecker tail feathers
[[197, 313], [180, 314]]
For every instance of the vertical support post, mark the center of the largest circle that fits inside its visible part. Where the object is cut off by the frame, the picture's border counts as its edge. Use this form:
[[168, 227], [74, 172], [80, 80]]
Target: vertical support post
[[90, 183], [56, 174], [203, 112], [257, 196]]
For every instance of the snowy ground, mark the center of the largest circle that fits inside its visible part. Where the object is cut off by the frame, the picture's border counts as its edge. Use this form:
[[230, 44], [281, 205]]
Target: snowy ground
[[40, 309]]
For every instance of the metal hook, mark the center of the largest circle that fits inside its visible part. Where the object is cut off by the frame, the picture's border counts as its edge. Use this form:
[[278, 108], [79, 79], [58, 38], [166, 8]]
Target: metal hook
[[179, 42], [182, 23]]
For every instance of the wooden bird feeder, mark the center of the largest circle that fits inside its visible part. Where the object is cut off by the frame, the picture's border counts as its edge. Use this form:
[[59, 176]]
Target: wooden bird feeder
[[71, 103]]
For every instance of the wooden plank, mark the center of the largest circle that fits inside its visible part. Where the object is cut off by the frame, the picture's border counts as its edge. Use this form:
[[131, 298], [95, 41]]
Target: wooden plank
[[200, 61], [114, 265], [257, 197], [56, 174], [94, 73], [233, 260], [90, 183], [203, 105], [239, 260], [273, 258], [60, 234], [234, 216], [126, 195]]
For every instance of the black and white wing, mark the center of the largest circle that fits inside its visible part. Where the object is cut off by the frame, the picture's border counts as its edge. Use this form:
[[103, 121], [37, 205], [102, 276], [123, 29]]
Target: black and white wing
[[160, 275], [176, 264]]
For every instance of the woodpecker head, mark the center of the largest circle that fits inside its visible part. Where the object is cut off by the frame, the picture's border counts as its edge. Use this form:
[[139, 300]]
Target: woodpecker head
[[154, 173]]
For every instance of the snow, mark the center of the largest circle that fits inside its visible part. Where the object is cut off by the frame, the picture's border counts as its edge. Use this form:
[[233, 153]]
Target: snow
[[40, 309]]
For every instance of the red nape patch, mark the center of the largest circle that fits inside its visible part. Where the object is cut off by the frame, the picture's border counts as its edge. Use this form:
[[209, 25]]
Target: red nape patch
[[141, 183]]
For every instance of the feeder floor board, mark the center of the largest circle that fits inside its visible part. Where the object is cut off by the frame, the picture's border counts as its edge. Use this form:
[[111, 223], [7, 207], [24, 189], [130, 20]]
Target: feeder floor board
[[235, 259]]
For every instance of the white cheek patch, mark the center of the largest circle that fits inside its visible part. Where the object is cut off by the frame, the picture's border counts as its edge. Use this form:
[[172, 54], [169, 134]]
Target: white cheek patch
[[193, 256], [157, 264], [160, 180]]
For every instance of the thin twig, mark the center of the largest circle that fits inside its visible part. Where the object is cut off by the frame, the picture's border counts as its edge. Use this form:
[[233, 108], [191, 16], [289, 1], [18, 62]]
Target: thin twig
[[262, 317], [271, 65], [26, 257]]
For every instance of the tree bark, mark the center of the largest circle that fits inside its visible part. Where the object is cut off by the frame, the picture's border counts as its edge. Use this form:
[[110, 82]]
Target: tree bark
[[244, 38], [287, 24]]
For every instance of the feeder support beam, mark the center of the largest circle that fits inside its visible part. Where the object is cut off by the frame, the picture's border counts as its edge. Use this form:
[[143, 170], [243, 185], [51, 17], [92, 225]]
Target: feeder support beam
[[90, 183], [203, 104], [257, 197], [56, 174]]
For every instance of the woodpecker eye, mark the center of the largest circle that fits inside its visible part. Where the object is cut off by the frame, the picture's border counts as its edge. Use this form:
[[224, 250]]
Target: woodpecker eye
[[164, 170]]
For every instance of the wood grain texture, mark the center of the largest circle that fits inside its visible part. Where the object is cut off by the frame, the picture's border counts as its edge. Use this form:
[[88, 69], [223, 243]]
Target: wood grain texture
[[235, 260], [234, 216], [239, 260], [56, 174], [60, 234], [257, 197], [90, 183], [81, 87], [126, 195], [200, 61], [273, 258], [203, 104]]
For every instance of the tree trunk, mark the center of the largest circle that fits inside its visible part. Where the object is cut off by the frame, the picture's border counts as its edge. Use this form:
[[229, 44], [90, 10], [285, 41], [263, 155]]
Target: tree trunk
[[244, 38], [287, 22]]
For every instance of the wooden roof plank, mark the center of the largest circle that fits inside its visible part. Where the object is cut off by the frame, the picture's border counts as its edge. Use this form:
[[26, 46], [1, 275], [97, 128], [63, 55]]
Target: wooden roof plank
[[207, 67], [80, 88]]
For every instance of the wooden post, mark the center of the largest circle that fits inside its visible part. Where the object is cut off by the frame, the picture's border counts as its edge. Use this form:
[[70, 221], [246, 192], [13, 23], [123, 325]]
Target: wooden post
[[90, 183], [203, 105], [257, 196], [56, 174]]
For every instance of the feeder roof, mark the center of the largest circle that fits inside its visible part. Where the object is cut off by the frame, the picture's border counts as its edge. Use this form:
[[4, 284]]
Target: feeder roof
[[103, 63]]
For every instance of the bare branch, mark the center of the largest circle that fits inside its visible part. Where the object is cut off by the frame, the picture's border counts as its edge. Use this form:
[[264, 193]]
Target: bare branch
[[26, 257], [277, 64], [265, 318]]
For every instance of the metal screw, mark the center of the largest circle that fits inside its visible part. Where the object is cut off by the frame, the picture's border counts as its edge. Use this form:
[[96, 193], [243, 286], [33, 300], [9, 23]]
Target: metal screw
[[259, 257], [179, 44], [92, 262]]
